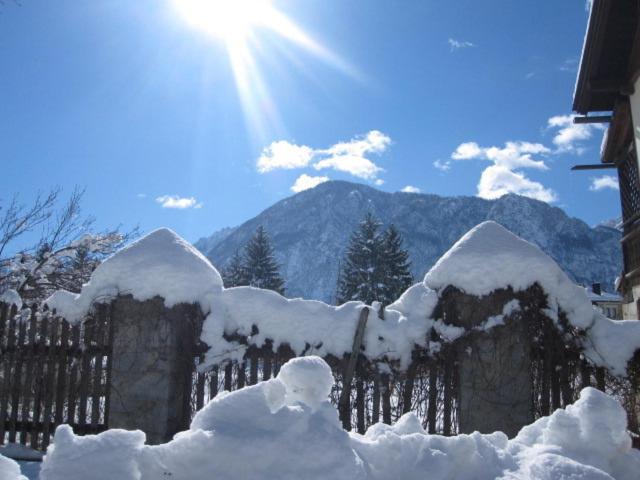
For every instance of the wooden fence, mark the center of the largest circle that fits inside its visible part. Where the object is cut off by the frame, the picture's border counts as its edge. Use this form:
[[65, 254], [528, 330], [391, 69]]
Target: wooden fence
[[51, 373], [428, 388]]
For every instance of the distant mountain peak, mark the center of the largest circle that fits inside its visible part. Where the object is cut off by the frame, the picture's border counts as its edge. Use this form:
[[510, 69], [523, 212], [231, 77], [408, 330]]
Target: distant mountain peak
[[310, 231]]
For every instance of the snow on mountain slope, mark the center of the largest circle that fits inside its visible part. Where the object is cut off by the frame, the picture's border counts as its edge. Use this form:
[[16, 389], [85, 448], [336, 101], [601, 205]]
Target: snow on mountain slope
[[310, 232]]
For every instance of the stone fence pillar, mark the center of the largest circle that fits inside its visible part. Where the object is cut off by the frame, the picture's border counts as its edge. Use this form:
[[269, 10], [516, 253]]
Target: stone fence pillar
[[152, 364], [493, 365]]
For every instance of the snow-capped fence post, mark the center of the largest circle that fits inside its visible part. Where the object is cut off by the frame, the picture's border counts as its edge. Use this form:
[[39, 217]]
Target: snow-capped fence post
[[344, 404], [153, 361]]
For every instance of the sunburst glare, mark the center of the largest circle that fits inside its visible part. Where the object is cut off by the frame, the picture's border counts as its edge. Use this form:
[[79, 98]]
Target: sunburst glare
[[238, 24]]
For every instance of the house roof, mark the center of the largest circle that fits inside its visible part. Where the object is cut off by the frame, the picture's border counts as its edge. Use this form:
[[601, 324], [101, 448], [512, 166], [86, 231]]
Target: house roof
[[603, 297], [604, 67]]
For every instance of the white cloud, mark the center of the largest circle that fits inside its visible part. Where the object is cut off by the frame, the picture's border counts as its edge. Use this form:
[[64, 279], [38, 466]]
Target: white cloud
[[360, 167], [458, 44], [442, 166], [284, 155], [352, 157], [467, 151], [305, 182], [411, 189], [379, 182], [512, 155], [141, 195], [569, 65], [498, 180], [605, 181], [569, 136], [175, 201], [501, 177]]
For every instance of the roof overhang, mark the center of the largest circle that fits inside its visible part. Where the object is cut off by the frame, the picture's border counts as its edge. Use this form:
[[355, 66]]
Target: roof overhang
[[607, 55]]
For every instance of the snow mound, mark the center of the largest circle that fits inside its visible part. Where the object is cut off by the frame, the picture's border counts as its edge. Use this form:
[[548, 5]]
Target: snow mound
[[250, 433], [10, 470], [11, 297], [158, 264], [255, 433], [308, 380]]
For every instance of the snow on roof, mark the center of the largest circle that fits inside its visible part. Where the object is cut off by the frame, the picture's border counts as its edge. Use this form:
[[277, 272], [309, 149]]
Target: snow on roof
[[158, 264], [603, 297]]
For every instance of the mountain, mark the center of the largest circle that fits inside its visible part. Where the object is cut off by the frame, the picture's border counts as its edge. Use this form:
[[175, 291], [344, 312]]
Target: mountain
[[310, 231]]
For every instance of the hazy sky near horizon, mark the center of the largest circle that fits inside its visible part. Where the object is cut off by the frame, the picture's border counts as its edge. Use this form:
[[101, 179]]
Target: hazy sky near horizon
[[171, 118]]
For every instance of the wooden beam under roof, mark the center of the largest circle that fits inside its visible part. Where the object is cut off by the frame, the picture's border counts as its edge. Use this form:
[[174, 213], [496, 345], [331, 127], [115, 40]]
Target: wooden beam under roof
[[596, 166]]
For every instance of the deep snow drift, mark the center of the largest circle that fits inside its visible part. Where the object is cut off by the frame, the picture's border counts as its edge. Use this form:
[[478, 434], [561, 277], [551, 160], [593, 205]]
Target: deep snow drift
[[285, 428], [487, 258]]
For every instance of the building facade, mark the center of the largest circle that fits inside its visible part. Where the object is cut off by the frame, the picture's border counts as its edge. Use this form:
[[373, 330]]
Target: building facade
[[608, 91]]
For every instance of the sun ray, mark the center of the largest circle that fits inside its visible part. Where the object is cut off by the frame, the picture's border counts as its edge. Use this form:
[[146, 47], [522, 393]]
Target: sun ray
[[239, 24]]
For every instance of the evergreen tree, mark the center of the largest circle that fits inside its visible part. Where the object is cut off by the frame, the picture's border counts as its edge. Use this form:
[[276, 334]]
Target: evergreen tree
[[375, 267], [396, 266], [259, 265], [235, 274], [361, 277]]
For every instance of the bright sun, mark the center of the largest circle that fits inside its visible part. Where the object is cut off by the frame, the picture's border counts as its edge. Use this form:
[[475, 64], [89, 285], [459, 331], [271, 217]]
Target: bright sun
[[228, 20], [242, 26]]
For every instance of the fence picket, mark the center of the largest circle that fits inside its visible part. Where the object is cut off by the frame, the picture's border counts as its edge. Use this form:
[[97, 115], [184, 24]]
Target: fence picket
[[38, 379], [96, 391], [85, 375], [28, 384], [7, 359], [16, 384], [74, 361], [49, 381]]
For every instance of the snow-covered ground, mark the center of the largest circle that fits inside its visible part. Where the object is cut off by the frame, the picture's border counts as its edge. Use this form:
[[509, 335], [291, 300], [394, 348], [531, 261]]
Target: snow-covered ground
[[285, 428]]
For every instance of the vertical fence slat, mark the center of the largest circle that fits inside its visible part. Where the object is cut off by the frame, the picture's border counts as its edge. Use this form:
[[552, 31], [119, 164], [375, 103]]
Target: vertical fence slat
[[62, 372], [447, 381], [213, 383], [375, 408], [16, 383], [85, 375], [433, 397], [407, 391], [253, 368], [38, 378], [266, 364], [241, 374], [49, 381], [228, 376], [360, 414], [7, 359], [385, 388], [200, 384], [96, 390], [28, 384], [109, 347], [74, 360]]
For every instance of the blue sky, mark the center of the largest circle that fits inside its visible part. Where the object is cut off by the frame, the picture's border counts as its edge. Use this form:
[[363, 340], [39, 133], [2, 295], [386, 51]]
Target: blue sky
[[144, 108]]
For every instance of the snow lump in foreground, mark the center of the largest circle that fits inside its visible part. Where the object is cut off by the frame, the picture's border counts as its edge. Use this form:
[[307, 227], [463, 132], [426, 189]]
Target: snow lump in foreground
[[285, 428]]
